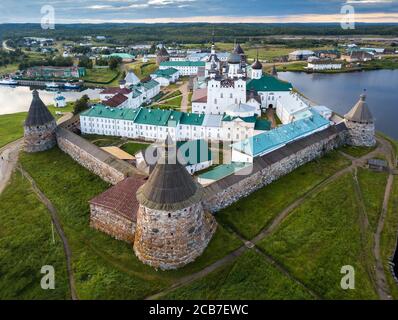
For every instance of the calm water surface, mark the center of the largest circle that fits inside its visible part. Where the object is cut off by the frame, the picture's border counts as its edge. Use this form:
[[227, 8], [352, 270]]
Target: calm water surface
[[340, 92], [18, 99]]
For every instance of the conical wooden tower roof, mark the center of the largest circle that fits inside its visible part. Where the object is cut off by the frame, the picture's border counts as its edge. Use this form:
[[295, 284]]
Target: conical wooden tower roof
[[238, 49], [360, 112], [38, 114], [170, 186], [274, 72]]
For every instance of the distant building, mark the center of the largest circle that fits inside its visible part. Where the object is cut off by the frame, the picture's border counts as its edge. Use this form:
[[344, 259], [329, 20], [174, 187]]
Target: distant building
[[131, 78], [357, 56], [178, 57], [186, 68], [59, 101], [377, 164], [300, 55], [324, 64], [49, 72], [162, 55], [166, 76], [130, 97], [329, 54], [374, 50], [124, 56]]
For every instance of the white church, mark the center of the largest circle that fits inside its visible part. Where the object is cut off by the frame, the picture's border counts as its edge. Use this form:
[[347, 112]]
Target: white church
[[234, 84]]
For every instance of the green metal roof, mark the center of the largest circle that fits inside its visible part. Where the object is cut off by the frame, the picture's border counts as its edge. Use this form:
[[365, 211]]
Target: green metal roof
[[245, 119], [223, 171], [147, 85], [268, 83], [167, 73], [158, 117], [120, 55], [183, 64], [192, 119], [150, 84], [136, 93], [101, 111], [263, 125]]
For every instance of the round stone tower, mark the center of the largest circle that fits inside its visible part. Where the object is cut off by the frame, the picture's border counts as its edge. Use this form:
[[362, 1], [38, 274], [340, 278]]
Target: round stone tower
[[360, 124], [172, 227], [39, 127]]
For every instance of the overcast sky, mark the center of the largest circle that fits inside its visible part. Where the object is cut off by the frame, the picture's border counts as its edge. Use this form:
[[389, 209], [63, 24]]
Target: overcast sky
[[95, 11]]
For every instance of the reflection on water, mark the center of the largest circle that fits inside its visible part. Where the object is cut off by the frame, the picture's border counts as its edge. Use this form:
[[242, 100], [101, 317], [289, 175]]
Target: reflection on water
[[341, 91], [17, 99]]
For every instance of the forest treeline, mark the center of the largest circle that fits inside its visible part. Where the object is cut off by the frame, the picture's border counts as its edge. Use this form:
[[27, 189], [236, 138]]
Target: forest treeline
[[185, 33]]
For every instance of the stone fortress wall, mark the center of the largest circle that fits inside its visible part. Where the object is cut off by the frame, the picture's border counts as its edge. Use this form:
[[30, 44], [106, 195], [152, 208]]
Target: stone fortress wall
[[93, 158], [114, 225], [170, 240], [271, 167]]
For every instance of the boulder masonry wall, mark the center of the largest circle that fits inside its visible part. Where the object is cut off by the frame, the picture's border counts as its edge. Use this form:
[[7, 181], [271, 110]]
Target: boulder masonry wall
[[91, 157], [272, 166]]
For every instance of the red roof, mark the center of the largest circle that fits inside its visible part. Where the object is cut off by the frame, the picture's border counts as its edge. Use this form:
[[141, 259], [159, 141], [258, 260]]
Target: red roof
[[121, 198], [200, 95], [116, 90], [116, 100]]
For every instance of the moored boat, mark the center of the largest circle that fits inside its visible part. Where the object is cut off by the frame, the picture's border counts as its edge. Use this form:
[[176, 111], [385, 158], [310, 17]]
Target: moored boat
[[8, 82], [69, 85], [52, 85]]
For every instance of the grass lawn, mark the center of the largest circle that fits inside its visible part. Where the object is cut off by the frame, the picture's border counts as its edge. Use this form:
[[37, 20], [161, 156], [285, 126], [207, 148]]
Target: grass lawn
[[171, 95], [174, 102], [389, 238], [104, 268], [322, 236], [385, 63], [134, 147], [373, 185], [294, 67], [393, 142], [26, 246], [250, 277], [102, 141], [357, 152], [8, 69], [250, 215], [11, 127], [100, 75], [143, 70]]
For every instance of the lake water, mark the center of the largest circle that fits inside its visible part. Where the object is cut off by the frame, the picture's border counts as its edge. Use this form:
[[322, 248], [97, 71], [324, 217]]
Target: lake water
[[18, 99], [341, 91]]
